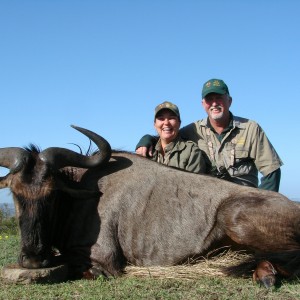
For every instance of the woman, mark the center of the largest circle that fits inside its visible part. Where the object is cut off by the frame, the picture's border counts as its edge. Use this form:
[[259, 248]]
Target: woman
[[171, 149]]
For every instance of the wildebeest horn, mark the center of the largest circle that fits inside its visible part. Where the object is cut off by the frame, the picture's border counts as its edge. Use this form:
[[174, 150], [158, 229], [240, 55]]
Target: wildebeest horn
[[61, 157], [13, 158]]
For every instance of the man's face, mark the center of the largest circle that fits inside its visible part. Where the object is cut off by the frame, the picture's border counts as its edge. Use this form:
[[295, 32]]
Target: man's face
[[217, 105]]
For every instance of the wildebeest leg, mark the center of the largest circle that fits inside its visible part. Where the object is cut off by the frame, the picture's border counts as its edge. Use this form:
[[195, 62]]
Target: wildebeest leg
[[269, 227], [265, 274], [106, 255]]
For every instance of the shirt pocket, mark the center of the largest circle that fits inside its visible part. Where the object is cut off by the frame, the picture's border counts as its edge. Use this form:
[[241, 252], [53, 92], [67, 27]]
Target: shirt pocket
[[240, 154], [242, 161]]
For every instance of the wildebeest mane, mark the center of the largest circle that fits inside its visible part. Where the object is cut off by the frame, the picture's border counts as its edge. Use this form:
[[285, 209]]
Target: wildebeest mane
[[33, 148]]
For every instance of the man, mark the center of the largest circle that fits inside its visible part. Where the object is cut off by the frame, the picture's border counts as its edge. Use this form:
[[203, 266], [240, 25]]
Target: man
[[237, 147]]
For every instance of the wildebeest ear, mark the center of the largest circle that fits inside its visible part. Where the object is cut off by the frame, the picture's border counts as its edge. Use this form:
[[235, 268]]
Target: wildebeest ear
[[4, 181]]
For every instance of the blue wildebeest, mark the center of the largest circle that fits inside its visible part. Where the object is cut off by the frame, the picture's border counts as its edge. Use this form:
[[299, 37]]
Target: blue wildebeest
[[105, 210]]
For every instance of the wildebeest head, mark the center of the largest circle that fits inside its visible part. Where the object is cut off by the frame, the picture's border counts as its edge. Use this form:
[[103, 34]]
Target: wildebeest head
[[35, 191]]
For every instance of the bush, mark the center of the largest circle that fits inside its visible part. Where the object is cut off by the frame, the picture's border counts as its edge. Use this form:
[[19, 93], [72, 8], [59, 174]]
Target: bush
[[8, 223]]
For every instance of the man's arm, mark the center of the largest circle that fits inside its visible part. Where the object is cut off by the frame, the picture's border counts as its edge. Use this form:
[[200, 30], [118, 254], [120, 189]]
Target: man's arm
[[196, 161], [266, 159], [145, 145], [271, 181]]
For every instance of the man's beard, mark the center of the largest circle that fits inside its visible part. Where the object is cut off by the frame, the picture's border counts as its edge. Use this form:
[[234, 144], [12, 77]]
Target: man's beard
[[216, 116]]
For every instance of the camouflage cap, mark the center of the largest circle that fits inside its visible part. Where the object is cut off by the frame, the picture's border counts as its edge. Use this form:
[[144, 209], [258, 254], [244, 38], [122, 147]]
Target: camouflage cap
[[167, 105], [214, 86]]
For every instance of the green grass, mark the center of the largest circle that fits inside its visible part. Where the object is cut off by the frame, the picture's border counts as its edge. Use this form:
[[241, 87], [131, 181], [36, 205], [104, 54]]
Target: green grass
[[204, 287], [135, 287]]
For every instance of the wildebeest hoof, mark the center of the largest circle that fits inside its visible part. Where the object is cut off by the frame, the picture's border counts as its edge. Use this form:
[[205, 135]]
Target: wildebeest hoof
[[268, 281], [33, 262], [94, 273], [265, 274]]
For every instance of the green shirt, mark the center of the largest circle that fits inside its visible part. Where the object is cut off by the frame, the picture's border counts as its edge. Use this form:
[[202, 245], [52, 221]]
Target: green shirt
[[181, 154]]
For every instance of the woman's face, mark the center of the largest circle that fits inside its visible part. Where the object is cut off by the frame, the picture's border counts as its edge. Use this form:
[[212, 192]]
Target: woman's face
[[167, 125]]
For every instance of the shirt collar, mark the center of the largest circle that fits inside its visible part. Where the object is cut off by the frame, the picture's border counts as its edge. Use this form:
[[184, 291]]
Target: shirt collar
[[234, 122], [171, 145], [229, 127]]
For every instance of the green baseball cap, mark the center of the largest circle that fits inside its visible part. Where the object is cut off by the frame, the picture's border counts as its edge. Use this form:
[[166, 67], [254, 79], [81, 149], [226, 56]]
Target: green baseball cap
[[167, 105], [217, 86]]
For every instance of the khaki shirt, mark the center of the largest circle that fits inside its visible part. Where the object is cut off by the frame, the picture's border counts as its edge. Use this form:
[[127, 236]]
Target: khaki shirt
[[243, 151], [181, 154]]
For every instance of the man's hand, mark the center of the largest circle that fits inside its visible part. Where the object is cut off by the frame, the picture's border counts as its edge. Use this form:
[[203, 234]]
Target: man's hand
[[144, 151]]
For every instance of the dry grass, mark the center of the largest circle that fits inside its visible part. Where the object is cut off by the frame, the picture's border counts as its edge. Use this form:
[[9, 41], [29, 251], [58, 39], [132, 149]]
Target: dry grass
[[205, 266]]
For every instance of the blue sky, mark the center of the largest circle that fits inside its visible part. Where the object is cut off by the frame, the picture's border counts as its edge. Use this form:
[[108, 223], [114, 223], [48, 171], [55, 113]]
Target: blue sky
[[104, 65]]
